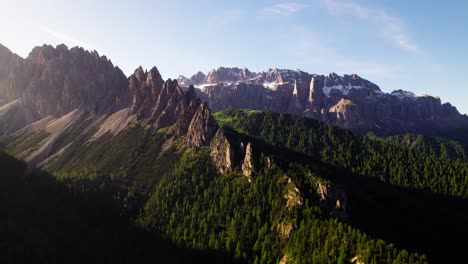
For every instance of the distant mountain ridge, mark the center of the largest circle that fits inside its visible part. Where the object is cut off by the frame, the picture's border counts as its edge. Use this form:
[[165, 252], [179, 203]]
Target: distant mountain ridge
[[348, 101]]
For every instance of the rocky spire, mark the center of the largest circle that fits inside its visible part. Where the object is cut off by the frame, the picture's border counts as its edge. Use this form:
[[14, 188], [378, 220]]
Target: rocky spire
[[202, 127]]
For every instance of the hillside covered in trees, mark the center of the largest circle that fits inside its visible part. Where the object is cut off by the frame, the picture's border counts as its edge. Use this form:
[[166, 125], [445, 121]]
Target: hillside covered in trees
[[311, 193]]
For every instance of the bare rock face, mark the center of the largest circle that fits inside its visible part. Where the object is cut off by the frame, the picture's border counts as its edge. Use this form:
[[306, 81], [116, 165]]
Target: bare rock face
[[284, 259], [162, 104], [145, 88], [53, 82], [293, 200], [198, 78], [184, 81], [285, 229], [228, 75], [348, 101], [224, 153], [229, 153], [14, 73], [345, 113], [248, 164], [66, 79], [333, 199], [202, 127], [292, 195]]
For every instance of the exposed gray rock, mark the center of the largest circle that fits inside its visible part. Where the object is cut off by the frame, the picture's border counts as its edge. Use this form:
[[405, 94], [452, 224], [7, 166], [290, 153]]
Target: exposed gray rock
[[292, 195], [198, 78], [248, 164], [53, 82], [63, 80], [225, 155], [202, 127], [333, 198], [348, 101]]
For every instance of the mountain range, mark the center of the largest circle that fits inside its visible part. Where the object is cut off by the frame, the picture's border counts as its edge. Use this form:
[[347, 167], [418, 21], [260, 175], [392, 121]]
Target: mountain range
[[348, 101], [289, 167]]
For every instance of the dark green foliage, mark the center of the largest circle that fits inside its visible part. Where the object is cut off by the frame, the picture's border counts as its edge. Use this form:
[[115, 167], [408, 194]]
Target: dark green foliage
[[138, 196], [360, 155], [394, 193], [430, 146], [199, 209], [43, 220]]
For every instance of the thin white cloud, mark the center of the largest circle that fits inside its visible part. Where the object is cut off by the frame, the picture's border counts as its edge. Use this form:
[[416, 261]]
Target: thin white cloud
[[390, 26], [65, 38], [282, 9]]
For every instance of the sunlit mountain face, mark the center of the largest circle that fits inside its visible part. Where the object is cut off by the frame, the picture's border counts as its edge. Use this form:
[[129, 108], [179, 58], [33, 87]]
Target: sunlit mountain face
[[228, 166], [344, 138]]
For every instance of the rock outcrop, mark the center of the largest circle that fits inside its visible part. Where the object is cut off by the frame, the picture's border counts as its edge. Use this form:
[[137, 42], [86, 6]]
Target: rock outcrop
[[225, 153], [145, 88], [65, 79], [202, 127], [333, 199], [227, 75], [292, 195], [248, 163], [229, 154], [293, 200]]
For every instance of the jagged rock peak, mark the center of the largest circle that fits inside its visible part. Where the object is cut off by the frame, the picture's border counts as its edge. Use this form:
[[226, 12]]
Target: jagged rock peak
[[280, 75], [353, 80], [154, 74], [248, 167], [198, 78], [202, 126], [4, 52], [223, 74], [184, 81], [44, 53], [140, 74], [61, 80]]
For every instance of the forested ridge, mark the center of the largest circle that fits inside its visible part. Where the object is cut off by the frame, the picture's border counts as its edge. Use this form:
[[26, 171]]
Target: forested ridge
[[253, 221], [318, 194], [46, 219], [341, 148]]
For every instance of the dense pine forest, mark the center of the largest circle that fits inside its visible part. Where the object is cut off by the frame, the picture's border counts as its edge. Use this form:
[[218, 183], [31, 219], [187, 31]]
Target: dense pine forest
[[316, 194]]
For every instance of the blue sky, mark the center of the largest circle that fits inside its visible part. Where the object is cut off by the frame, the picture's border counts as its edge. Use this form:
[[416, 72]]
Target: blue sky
[[398, 44]]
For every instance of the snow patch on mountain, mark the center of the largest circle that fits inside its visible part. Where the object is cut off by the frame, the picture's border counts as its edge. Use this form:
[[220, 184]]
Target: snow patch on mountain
[[344, 90], [272, 85], [401, 94]]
